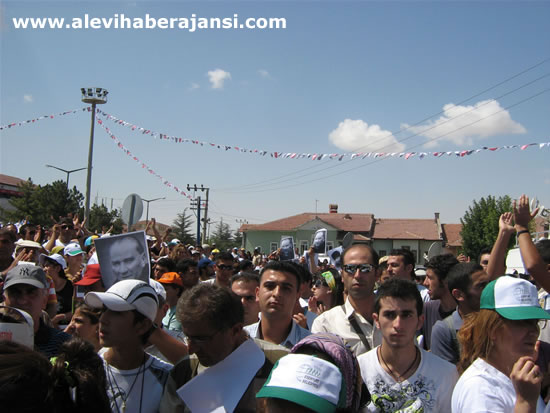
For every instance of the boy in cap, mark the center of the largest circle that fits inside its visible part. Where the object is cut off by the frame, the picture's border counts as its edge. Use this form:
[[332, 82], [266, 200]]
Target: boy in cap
[[135, 379], [174, 288]]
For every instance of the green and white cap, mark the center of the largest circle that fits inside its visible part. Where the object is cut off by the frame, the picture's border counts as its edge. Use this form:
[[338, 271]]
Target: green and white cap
[[513, 298], [308, 381]]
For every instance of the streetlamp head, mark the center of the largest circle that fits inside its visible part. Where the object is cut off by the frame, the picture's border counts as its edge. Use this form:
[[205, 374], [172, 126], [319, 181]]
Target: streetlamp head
[[95, 95]]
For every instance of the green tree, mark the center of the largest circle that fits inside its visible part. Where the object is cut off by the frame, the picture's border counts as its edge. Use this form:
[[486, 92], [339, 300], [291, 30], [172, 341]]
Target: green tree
[[181, 228], [101, 219], [222, 236], [480, 224], [237, 238], [44, 204]]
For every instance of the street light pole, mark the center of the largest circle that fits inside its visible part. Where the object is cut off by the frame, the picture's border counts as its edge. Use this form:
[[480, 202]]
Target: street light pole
[[68, 172], [149, 201], [94, 96]]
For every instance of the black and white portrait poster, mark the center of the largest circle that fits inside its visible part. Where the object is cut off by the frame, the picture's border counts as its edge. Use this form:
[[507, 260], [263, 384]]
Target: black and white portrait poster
[[286, 252], [320, 241], [123, 257]]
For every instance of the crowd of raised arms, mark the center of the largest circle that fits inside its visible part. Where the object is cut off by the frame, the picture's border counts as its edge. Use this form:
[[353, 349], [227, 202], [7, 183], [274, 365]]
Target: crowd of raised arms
[[210, 330]]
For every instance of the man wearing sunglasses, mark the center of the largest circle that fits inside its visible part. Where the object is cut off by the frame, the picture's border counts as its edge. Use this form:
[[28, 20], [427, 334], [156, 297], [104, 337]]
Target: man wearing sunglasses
[[353, 320], [62, 234], [223, 269]]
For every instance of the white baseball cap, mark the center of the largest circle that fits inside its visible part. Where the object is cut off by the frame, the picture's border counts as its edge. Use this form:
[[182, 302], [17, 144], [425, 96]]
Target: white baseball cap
[[127, 295]]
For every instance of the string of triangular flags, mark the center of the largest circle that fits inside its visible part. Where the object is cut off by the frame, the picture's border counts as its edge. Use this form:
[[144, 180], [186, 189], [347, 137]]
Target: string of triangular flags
[[143, 165], [25, 122], [315, 156], [279, 155]]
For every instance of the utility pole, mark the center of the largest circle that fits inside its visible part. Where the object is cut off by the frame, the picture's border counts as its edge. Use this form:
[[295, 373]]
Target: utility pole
[[205, 219]]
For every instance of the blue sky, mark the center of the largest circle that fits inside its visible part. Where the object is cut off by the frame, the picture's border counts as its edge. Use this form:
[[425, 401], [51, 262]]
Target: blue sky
[[341, 75]]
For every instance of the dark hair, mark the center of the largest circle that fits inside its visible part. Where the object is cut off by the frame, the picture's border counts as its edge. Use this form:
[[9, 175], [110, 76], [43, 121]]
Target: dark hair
[[338, 294], [66, 221], [305, 275], [399, 288], [441, 265], [543, 247], [168, 263], [212, 304], [246, 277], [224, 256], [24, 379], [483, 251], [371, 250], [138, 318], [7, 233], [182, 266], [25, 227], [246, 265], [460, 276], [408, 256], [93, 314], [283, 266], [78, 365]]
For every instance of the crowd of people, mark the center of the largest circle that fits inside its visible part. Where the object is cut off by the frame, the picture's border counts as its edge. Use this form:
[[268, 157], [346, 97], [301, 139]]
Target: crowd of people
[[238, 331]]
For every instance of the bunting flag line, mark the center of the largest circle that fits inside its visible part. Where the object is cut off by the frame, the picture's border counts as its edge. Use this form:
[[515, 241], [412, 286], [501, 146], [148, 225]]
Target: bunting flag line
[[143, 165], [25, 122], [315, 156], [280, 155]]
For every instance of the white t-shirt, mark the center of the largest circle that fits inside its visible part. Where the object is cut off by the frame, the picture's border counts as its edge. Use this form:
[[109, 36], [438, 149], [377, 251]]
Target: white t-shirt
[[429, 389], [142, 392], [483, 388]]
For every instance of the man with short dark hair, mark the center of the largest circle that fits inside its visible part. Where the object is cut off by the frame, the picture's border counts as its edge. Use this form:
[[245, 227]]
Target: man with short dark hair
[[212, 318], [187, 269], [224, 269], [400, 376], [26, 289], [135, 379], [277, 295], [163, 265], [441, 304], [400, 263], [353, 321], [244, 284], [466, 281]]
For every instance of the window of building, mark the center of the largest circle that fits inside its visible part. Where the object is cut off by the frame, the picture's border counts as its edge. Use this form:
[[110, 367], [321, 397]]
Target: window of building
[[382, 253], [304, 246], [274, 246]]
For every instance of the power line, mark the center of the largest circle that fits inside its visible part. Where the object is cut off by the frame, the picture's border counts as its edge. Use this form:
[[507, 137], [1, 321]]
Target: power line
[[321, 164], [381, 159]]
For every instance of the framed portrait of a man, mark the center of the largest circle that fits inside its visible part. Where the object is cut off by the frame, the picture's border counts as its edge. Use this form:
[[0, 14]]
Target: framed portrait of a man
[[123, 257], [320, 241], [286, 252]]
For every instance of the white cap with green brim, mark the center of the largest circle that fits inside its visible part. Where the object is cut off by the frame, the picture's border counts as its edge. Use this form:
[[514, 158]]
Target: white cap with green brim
[[513, 298], [308, 381]]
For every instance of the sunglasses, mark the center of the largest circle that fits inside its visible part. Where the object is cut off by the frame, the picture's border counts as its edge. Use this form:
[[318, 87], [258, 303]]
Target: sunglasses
[[224, 267], [363, 268], [319, 283], [66, 227]]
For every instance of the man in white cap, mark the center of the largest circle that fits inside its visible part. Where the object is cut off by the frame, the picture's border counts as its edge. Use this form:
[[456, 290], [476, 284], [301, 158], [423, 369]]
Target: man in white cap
[[135, 379]]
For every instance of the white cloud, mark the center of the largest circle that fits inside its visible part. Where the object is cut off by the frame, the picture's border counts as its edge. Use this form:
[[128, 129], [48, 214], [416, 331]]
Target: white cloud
[[264, 73], [457, 124], [218, 77], [194, 86], [358, 136], [28, 98]]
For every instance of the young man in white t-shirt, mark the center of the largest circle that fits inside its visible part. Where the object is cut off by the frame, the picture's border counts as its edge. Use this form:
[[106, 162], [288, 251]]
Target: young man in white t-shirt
[[399, 375], [135, 379]]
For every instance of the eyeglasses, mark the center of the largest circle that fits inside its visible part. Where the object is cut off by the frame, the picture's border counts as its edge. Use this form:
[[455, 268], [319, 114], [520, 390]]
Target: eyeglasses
[[363, 268], [224, 267], [199, 339], [65, 226]]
